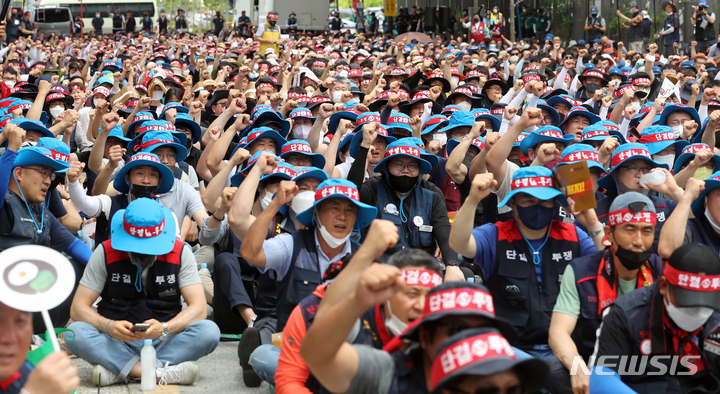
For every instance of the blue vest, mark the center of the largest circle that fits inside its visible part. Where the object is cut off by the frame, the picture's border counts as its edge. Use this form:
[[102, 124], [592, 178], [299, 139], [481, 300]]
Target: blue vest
[[643, 309], [160, 295], [670, 21], [704, 233], [586, 270], [518, 297], [23, 231], [420, 203], [409, 373], [15, 383], [303, 275]]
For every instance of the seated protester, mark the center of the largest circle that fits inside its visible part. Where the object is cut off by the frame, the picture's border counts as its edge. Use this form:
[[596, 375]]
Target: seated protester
[[302, 122], [98, 157], [63, 210], [143, 245], [700, 199], [695, 161], [661, 144], [582, 152], [135, 123], [416, 206], [596, 134], [367, 148], [185, 124], [216, 105], [675, 116], [492, 91], [56, 102], [628, 163], [677, 316], [99, 94], [343, 367], [304, 255], [562, 104], [522, 258], [591, 80], [172, 109], [454, 184], [55, 374], [576, 120], [464, 97], [457, 128], [593, 282], [170, 152], [27, 175], [498, 370], [420, 273]]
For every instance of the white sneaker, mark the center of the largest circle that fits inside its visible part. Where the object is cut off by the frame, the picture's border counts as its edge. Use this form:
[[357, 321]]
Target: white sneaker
[[102, 376], [183, 373]]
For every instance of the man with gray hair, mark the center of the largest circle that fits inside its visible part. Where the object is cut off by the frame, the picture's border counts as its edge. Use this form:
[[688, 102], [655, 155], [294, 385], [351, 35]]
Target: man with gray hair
[[339, 86]]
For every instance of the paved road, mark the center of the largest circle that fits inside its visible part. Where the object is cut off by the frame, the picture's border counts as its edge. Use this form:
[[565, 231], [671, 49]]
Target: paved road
[[220, 373]]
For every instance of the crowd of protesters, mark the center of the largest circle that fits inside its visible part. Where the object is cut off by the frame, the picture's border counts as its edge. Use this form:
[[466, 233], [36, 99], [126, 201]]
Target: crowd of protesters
[[366, 214]]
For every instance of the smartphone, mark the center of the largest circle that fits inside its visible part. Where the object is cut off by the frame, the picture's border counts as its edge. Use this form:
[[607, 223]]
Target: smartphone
[[140, 327]]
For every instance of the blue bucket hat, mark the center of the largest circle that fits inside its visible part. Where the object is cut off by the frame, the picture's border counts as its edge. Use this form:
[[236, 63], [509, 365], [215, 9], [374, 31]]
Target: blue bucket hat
[[624, 153], [536, 181], [658, 138], [561, 99], [301, 112], [343, 143], [366, 117], [459, 119], [545, 134], [266, 132], [357, 139], [338, 116], [407, 149], [154, 126], [59, 150], [37, 155], [399, 121], [581, 152], [167, 178], [238, 177], [302, 147], [117, 132], [579, 110], [598, 132], [520, 139], [542, 104], [310, 172], [434, 122], [688, 153], [679, 107], [478, 142], [616, 72], [32, 125], [489, 116], [152, 140], [144, 227], [176, 106], [138, 119], [262, 115], [343, 189], [186, 120], [450, 109], [698, 206], [284, 171]]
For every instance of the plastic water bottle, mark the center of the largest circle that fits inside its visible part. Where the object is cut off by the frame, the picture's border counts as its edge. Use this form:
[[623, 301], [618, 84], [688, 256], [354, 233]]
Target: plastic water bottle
[[653, 178], [204, 268], [147, 362]]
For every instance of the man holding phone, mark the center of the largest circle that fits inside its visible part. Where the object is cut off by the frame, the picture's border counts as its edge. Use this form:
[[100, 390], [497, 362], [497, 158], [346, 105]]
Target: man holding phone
[[141, 273]]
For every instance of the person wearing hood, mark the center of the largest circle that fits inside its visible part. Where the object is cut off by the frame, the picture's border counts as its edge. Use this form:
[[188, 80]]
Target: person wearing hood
[[595, 25], [268, 34], [522, 258], [675, 320], [593, 282]]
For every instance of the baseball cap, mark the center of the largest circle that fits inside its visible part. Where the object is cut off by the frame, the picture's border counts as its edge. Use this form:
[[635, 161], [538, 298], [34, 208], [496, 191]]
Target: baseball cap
[[693, 271]]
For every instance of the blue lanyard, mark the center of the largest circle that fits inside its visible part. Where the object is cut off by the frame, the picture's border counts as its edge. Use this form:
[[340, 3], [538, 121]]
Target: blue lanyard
[[536, 253], [42, 216]]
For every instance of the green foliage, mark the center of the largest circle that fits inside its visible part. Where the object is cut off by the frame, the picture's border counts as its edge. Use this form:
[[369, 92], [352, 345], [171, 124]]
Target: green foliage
[[562, 20]]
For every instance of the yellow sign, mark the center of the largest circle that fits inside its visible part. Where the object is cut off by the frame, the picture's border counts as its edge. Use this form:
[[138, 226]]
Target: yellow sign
[[390, 8]]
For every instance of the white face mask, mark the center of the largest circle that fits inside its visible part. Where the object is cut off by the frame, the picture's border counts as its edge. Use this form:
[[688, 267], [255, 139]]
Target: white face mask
[[514, 59], [56, 111], [96, 101], [354, 100], [337, 96], [440, 137], [157, 95], [455, 79], [301, 132], [394, 324], [10, 84], [667, 159], [27, 143], [303, 201], [331, 240], [465, 106], [210, 67], [265, 201], [636, 105], [690, 318], [493, 70], [677, 131], [474, 61]]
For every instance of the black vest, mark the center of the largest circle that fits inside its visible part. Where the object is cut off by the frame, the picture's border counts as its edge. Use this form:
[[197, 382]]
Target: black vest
[[102, 227], [410, 236], [160, 295], [409, 373], [643, 309], [299, 283], [594, 33], [13, 29], [586, 271], [518, 297], [661, 208], [22, 229], [703, 232], [162, 23], [117, 21], [14, 384], [708, 33]]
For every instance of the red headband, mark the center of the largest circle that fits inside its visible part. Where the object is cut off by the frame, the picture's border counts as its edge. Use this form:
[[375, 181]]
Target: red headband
[[143, 232], [623, 216], [348, 191], [691, 281], [534, 181], [419, 277], [657, 137]]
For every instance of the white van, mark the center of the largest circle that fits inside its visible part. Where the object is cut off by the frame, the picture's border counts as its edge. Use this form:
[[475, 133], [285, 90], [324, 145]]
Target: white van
[[53, 19]]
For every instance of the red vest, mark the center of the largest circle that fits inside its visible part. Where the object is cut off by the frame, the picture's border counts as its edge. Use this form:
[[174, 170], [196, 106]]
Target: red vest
[[477, 32]]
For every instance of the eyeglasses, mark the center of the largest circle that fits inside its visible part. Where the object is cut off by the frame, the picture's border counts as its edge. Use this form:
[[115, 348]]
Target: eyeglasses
[[168, 156], [46, 173], [548, 119], [634, 170], [400, 166], [677, 122], [495, 88]]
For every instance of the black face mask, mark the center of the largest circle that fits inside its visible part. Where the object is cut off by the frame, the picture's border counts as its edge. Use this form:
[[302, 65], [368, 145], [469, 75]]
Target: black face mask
[[188, 144], [59, 178], [631, 260], [402, 184], [592, 87], [476, 20], [468, 159], [517, 161], [140, 191], [272, 23]]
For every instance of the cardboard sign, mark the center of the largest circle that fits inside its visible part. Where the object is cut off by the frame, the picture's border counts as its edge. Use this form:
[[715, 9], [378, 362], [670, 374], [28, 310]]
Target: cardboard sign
[[575, 183], [34, 278]]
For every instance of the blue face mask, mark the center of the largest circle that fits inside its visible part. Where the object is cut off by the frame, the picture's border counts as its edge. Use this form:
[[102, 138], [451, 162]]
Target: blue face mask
[[535, 217]]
